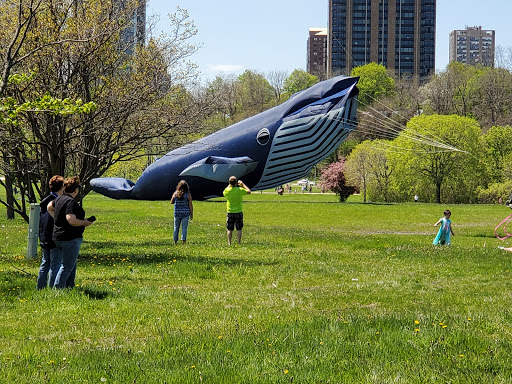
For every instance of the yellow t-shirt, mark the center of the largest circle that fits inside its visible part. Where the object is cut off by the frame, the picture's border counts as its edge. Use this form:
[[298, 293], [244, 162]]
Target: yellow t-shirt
[[234, 197]]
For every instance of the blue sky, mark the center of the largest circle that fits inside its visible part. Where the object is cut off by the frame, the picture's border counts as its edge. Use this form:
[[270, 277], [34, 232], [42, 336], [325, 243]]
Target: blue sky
[[266, 35]]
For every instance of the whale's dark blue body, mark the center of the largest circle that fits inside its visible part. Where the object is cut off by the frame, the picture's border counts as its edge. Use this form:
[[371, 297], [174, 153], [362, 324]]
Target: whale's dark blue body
[[272, 148]]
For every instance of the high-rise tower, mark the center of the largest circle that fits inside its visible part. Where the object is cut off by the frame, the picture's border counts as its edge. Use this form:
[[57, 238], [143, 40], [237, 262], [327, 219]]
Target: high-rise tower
[[399, 34], [473, 45]]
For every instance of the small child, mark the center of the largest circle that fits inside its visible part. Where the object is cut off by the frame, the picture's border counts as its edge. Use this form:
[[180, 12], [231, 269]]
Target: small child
[[443, 236]]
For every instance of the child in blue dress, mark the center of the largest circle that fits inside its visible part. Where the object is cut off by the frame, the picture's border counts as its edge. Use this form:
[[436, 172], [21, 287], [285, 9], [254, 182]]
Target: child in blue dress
[[183, 210], [443, 236]]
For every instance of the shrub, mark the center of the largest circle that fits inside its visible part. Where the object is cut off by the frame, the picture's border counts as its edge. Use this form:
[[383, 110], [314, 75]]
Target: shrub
[[333, 179]]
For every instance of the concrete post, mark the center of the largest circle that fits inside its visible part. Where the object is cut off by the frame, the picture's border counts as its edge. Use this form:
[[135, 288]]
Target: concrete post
[[33, 230]]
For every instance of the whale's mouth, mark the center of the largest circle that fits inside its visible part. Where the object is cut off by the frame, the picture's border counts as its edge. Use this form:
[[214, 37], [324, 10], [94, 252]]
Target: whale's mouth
[[302, 142]]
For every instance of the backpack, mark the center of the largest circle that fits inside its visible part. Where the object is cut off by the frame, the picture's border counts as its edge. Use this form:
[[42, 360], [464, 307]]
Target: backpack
[[46, 226]]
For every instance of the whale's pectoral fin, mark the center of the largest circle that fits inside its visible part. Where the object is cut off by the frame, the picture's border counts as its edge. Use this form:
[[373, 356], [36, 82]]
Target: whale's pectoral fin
[[113, 187], [220, 168]]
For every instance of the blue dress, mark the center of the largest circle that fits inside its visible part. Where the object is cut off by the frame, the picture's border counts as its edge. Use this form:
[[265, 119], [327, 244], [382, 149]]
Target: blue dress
[[443, 236]]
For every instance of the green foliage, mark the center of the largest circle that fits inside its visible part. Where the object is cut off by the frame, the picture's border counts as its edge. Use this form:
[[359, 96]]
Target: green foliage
[[321, 292], [10, 109], [435, 174], [131, 169], [367, 168], [498, 146], [299, 80], [374, 83], [254, 93], [494, 192]]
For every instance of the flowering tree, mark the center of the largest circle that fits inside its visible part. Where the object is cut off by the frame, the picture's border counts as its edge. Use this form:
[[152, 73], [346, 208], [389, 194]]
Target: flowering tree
[[333, 179]]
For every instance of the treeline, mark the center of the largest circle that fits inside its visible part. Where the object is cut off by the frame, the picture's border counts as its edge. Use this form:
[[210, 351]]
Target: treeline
[[448, 140], [81, 95]]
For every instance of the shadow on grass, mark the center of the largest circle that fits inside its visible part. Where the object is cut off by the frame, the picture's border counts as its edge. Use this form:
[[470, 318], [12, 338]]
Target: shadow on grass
[[88, 255], [485, 235], [95, 293]]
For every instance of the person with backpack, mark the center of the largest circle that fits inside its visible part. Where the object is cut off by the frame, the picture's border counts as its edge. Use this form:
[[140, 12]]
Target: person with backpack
[[52, 257], [68, 229]]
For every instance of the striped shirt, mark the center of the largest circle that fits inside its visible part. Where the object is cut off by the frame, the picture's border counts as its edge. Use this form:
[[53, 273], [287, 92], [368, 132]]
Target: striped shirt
[[181, 207]]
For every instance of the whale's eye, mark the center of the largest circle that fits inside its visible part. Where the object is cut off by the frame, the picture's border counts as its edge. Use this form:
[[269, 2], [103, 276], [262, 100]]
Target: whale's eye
[[263, 136]]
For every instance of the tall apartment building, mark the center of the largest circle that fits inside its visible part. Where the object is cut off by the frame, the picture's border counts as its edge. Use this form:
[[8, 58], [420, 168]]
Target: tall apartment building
[[317, 52], [473, 45], [135, 32], [399, 34]]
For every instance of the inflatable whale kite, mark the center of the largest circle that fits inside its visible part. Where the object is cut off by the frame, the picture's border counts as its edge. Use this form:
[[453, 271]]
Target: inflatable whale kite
[[272, 148]]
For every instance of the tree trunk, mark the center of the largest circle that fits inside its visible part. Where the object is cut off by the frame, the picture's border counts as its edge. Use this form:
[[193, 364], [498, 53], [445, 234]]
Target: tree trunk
[[438, 193], [9, 196], [8, 189]]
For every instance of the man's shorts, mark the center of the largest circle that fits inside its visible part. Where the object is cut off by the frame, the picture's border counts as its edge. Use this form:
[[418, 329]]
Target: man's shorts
[[235, 220]]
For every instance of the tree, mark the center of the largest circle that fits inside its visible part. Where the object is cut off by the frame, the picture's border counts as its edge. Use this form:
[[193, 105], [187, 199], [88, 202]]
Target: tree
[[254, 93], [373, 84], [333, 178], [357, 167], [498, 146], [299, 80], [493, 97], [367, 168], [276, 80], [78, 52], [448, 169]]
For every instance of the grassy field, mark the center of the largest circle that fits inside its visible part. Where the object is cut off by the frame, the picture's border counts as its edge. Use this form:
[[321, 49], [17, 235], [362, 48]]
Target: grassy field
[[319, 292]]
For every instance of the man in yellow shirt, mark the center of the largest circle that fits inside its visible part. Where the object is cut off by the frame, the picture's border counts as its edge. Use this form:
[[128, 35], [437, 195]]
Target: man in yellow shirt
[[235, 192]]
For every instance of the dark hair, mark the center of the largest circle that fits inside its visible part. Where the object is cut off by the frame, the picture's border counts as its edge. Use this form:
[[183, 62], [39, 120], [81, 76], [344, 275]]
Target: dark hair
[[447, 212], [71, 183], [181, 189], [233, 181], [56, 183]]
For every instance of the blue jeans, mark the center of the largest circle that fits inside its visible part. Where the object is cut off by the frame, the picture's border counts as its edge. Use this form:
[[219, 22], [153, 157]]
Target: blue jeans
[[50, 264], [183, 221], [66, 275]]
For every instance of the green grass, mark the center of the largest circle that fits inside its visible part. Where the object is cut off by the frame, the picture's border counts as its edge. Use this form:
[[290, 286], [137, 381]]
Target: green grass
[[318, 292]]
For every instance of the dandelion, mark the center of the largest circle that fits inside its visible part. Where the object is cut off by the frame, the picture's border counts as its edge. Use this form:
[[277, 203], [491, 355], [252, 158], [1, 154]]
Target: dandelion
[[286, 371], [469, 318], [445, 326], [193, 367], [461, 355], [321, 343], [220, 337], [228, 351], [416, 322], [416, 329]]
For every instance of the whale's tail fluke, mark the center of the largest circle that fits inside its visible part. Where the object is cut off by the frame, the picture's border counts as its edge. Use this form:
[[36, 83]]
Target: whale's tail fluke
[[113, 187]]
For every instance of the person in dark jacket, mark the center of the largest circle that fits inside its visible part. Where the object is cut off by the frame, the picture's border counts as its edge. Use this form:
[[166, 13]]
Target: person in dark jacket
[[68, 231], [52, 257]]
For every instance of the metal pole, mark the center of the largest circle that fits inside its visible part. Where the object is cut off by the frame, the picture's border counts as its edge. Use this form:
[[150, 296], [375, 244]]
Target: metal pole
[[33, 230]]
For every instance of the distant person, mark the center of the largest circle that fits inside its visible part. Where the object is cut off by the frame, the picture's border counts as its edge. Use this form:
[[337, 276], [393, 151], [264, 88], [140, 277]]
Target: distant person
[[415, 198], [52, 257], [443, 236], [68, 230], [183, 210], [235, 192]]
